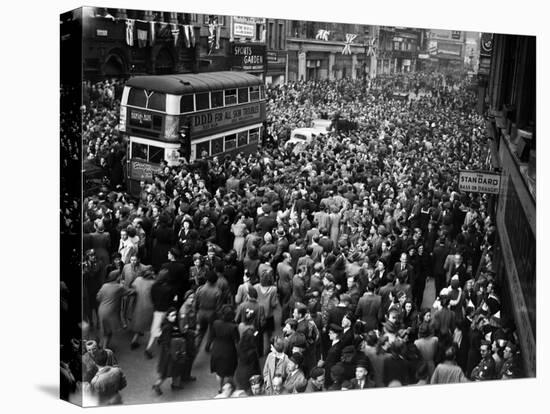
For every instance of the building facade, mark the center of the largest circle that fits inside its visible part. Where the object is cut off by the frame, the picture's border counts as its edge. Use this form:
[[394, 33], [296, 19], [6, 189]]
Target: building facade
[[123, 43], [318, 50], [276, 55], [447, 49], [398, 49], [511, 96]]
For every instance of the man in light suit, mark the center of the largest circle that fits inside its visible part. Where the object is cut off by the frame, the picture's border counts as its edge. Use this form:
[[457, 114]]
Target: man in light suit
[[276, 363]]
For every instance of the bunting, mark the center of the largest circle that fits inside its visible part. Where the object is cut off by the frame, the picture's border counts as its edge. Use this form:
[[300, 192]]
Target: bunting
[[322, 35], [175, 33], [152, 33], [143, 33], [130, 32], [214, 34], [347, 45]]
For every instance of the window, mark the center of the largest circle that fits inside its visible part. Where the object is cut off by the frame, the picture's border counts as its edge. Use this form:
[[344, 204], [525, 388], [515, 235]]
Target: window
[[395, 45], [217, 146], [280, 37], [203, 100], [157, 122], [139, 151], [271, 35], [242, 139], [243, 95], [230, 142], [156, 154], [157, 101], [259, 29], [186, 104], [262, 91], [254, 93], [253, 136], [136, 97], [203, 147], [230, 97], [217, 99]]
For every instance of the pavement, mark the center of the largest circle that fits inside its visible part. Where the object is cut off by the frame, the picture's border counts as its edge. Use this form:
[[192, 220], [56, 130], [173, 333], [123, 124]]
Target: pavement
[[141, 373]]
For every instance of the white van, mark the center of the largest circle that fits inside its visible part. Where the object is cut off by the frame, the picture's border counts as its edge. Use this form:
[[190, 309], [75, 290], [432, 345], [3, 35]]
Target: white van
[[302, 136]]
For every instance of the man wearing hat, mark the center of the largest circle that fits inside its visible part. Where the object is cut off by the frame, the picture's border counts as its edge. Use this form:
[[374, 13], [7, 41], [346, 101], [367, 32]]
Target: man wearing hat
[[334, 353], [485, 370], [310, 332], [295, 381], [347, 361], [362, 373]]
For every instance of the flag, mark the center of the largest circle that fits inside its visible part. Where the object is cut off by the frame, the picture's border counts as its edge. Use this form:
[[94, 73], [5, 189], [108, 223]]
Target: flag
[[372, 47], [152, 33], [186, 36], [322, 35], [142, 29], [175, 32], [130, 32], [192, 35], [214, 35], [347, 45]]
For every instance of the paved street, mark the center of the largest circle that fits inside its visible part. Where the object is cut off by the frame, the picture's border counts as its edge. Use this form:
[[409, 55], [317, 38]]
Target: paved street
[[141, 373]]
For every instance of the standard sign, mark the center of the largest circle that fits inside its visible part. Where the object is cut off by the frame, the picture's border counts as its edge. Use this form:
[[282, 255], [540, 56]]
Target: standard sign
[[479, 182]]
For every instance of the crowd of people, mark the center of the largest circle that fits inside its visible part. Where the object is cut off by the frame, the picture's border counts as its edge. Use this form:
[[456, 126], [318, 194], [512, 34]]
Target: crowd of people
[[381, 269]]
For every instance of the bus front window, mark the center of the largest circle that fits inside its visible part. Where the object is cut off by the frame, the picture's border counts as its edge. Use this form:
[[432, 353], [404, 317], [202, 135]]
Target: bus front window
[[156, 154], [139, 151]]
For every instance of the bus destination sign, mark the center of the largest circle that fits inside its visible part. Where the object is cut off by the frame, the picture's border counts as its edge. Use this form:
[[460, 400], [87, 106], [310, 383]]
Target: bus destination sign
[[140, 119], [479, 182]]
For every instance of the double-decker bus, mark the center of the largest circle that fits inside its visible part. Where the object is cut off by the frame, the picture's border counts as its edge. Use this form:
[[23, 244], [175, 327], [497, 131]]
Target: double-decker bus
[[168, 117]]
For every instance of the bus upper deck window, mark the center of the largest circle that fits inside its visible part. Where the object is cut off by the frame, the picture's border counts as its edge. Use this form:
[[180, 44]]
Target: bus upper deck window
[[262, 92], [187, 104], [254, 93], [136, 97], [231, 96], [203, 101], [217, 99], [157, 101], [243, 95]]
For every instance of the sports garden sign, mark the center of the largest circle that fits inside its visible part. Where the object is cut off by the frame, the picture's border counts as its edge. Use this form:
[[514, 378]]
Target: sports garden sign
[[479, 182]]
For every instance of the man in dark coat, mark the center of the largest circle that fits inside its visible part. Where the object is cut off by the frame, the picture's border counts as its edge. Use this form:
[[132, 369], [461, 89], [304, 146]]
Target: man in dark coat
[[178, 274], [334, 353], [439, 255], [368, 308]]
